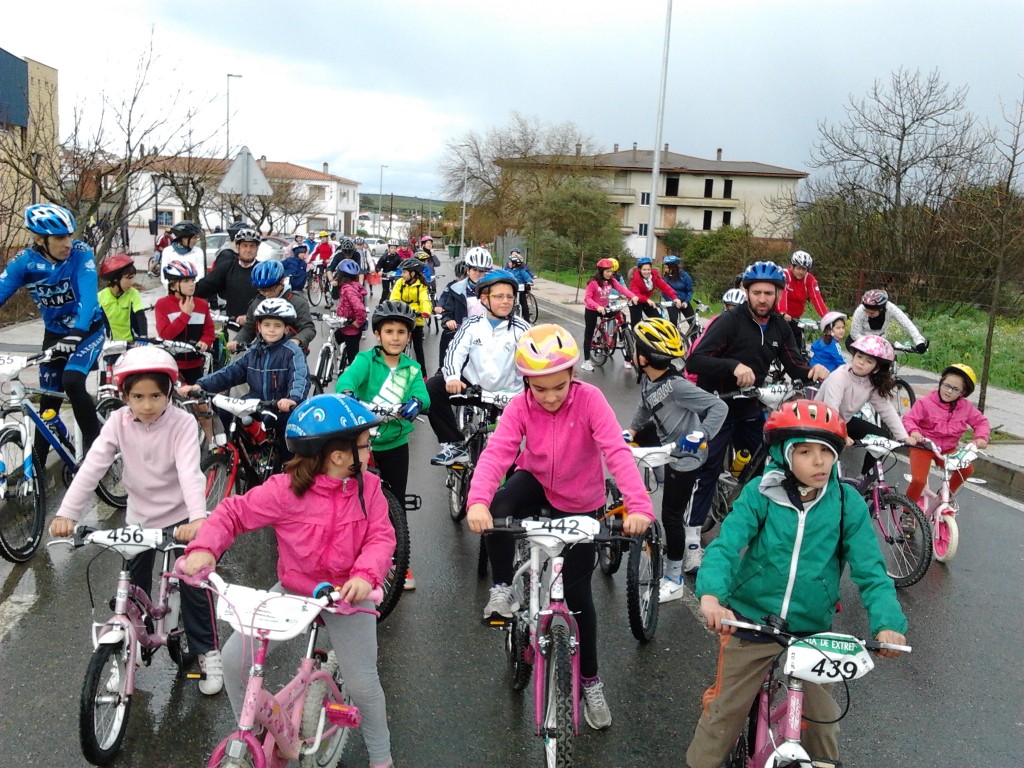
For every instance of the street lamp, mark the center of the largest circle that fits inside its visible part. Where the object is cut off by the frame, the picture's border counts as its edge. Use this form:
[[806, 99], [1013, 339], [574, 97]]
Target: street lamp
[[227, 143], [380, 198], [656, 159]]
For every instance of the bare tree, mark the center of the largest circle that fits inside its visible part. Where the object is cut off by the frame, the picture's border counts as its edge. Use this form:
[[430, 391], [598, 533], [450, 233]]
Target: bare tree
[[290, 202]]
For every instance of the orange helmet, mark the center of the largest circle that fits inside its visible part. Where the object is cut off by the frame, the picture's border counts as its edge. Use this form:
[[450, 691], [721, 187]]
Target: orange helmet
[[806, 421]]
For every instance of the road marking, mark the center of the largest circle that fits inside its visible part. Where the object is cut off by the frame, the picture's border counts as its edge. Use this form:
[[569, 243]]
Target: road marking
[[12, 609]]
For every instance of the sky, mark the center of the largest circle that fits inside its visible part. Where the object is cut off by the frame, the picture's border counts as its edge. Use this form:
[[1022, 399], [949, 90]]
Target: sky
[[363, 84]]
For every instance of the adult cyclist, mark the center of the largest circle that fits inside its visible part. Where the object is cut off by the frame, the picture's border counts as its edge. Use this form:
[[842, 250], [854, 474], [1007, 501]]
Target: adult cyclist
[[875, 316], [231, 278], [60, 275]]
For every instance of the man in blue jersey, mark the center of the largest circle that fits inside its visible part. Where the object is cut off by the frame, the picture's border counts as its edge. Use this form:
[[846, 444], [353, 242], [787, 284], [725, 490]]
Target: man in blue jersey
[[60, 276]]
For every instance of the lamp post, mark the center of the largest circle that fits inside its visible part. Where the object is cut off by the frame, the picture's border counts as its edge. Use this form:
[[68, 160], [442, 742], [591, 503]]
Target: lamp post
[[227, 143], [430, 211], [462, 227], [656, 159], [380, 198]]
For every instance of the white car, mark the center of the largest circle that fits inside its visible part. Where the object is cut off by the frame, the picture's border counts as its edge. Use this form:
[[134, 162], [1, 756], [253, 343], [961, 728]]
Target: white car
[[378, 246]]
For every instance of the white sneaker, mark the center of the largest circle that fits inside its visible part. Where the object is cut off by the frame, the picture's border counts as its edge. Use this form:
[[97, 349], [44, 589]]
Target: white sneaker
[[693, 558], [628, 365], [587, 366], [213, 666], [670, 589], [501, 604], [595, 706], [451, 453]]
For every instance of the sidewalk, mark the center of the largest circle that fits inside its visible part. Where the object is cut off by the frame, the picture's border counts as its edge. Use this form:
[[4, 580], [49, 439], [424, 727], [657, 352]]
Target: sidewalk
[[1003, 467]]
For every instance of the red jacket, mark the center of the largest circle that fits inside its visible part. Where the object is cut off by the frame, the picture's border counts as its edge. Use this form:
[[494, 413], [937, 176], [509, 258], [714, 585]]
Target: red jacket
[[174, 325], [794, 297], [640, 289]]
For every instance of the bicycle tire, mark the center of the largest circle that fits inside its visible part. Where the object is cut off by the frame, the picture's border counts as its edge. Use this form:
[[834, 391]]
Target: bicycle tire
[[332, 749], [457, 484], [483, 563], [946, 541], [323, 366], [22, 517], [902, 397], [394, 580], [643, 582], [531, 304], [216, 468], [907, 550], [103, 714], [111, 486], [609, 553], [517, 639], [177, 642], [558, 707], [627, 344], [315, 290], [599, 351]]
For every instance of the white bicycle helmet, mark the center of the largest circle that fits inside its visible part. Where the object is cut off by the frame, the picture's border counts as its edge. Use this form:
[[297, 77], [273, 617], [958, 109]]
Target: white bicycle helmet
[[479, 258], [735, 297], [278, 308], [801, 259]]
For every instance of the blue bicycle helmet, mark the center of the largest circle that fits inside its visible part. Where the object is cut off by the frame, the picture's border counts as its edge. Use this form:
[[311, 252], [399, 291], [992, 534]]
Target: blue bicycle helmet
[[672, 260], [267, 274], [496, 276], [50, 220], [644, 260], [763, 272], [323, 418], [348, 267]]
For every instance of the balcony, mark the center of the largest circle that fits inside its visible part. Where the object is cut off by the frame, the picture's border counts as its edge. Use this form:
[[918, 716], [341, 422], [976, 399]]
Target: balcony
[[621, 195], [700, 202]]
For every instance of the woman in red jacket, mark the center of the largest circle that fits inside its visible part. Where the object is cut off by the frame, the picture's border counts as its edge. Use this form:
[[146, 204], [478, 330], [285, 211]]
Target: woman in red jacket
[[801, 287], [644, 283]]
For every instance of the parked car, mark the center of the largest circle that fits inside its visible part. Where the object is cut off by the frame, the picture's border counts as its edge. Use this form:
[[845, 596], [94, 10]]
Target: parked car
[[214, 242], [378, 246], [273, 248]]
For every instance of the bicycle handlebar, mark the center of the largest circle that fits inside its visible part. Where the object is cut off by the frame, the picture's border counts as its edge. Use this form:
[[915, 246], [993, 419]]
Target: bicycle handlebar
[[510, 526], [784, 638]]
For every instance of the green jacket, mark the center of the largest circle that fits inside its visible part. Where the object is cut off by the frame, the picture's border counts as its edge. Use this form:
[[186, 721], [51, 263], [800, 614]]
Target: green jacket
[[792, 568], [366, 377]]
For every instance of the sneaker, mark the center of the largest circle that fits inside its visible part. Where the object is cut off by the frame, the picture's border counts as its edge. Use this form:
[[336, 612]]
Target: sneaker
[[212, 666], [628, 365], [670, 589], [114, 681], [410, 580], [909, 524], [451, 453], [501, 604], [587, 366], [693, 558], [595, 706]]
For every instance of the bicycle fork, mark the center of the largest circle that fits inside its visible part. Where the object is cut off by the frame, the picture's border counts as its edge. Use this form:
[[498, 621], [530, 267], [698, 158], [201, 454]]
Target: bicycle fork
[[785, 721], [542, 649]]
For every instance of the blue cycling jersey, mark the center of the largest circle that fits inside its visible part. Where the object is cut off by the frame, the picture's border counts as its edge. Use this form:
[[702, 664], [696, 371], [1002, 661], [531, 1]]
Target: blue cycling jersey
[[66, 292]]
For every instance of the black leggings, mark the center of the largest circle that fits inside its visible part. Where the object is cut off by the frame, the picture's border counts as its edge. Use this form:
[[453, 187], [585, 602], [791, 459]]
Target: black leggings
[[688, 313], [523, 496], [590, 319], [417, 348], [393, 466], [349, 347], [857, 428], [641, 310]]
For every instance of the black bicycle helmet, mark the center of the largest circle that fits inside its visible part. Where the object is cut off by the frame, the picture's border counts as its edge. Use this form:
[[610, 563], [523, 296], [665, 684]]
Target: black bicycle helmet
[[184, 229], [393, 310], [413, 265], [234, 228]]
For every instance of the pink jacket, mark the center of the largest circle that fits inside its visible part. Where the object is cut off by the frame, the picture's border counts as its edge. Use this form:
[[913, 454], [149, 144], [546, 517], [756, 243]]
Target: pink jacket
[[638, 286], [161, 469], [847, 393], [322, 536], [350, 305], [563, 451], [944, 424], [596, 296]]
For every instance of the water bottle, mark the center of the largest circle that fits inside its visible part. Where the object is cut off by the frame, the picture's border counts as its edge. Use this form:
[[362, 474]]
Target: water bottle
[[55, 425], [742, 459]]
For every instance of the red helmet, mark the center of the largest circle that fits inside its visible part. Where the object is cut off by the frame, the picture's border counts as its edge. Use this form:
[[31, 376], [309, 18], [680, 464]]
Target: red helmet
[[115, 263], [808, 420], [605, 264]]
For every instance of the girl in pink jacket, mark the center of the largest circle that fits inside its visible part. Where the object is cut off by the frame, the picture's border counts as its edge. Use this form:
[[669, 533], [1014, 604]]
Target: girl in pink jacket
[[330, 518], [644, 283], [569, 429], [595, 301], [943, 417]]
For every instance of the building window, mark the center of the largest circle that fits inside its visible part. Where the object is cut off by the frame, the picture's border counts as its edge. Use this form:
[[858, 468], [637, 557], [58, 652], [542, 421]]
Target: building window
[[318, 193], [165, 218], [642, 230], [709, 187], [727, 192], [707, 220], [672, 186], [645, 198], [726, 218]]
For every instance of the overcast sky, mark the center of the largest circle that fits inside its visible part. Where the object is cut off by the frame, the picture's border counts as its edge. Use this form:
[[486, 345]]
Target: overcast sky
[[360, 84]]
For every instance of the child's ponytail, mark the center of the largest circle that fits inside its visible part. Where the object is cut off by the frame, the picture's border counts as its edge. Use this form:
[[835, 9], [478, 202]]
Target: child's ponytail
[[302, 470]]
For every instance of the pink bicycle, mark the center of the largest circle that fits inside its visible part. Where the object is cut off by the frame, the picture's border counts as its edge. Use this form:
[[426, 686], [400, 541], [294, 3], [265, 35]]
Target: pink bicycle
[[771, 737], [310, 718], [940, 507]]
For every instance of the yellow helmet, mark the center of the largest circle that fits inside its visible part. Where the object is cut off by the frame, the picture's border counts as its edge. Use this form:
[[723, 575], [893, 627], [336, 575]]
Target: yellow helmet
[[657, 336], [615, 264], [964, 371], [322, 234]]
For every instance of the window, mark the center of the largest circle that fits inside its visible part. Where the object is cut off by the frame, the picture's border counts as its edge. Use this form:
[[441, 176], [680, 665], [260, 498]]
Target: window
[[727, 192], [642, 230], [645, 198], [707, 220], [726, 218], [672, 186], [165, 218], [317, 193], [709, 188]]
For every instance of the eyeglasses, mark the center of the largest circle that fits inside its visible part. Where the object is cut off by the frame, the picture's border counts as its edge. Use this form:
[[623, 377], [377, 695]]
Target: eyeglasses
[[950, 388], [501, 296], [362, 446]]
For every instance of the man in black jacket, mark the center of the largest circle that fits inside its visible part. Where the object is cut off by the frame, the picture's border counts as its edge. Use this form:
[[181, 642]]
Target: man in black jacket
[[232, 277]]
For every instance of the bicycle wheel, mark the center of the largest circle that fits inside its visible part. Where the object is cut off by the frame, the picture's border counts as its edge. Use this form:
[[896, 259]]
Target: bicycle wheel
[[23, 508], [643, 580], [217, 470], [111, 487], [314, 289], [333, 747], [946, 540], [457, 484], [321, 376], [902, 396], [220, 758], [627, 344], [483, 564], [103, 712], [599, 345], [905, 538], [558, 723], [531, 304], [609, 553], [394, 580], [517, 639]]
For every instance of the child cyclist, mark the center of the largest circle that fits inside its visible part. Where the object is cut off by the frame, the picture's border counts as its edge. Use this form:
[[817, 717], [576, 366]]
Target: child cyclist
[[670, 410], [782, 551], [679, 280], [525, 277], [352, 307], [645, 282], [827, 350], [331, 523], [121, 301], [569, 430], [875, 315], [942, 417], [157, 445], [413, 289], [385, 376], [595, 301]]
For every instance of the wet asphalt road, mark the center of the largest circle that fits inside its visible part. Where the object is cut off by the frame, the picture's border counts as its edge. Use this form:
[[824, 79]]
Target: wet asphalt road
[[956, 701]]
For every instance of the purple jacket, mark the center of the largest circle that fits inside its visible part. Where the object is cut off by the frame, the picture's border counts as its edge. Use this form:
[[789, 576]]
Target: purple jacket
[[564, 451], [945, 423]]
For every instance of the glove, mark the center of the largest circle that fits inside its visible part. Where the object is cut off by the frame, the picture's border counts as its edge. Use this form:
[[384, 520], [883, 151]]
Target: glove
[[67, 345], [922, 347], [348, 393], [411, 409]]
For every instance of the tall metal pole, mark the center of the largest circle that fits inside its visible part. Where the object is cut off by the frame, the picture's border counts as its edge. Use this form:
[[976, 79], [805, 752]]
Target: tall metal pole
[[462, 227], [227, 144], [380, 198], [656, 165], [430, 211]]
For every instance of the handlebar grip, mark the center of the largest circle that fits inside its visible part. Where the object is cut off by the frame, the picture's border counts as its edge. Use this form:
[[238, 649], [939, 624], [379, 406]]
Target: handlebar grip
[[874, 645]]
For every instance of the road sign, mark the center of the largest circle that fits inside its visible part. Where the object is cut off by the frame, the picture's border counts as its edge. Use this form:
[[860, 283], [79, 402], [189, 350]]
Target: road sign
[[244, 177]]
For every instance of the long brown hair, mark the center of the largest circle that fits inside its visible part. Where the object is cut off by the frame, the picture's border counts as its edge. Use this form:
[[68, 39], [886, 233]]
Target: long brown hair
[[303, 469], [881, 378]]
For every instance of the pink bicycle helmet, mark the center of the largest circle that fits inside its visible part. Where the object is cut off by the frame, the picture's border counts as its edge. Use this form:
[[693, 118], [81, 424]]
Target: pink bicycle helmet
[[144, 360], [875, 346], [546, 349]]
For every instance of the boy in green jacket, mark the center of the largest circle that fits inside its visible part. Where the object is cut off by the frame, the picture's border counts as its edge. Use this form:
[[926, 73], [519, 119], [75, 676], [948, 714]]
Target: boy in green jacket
[[781, 551], [385, 376]]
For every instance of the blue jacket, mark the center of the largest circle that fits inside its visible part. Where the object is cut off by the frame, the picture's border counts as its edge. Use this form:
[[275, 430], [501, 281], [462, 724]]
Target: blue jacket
[[295, 271], [523, 275], [827, 355], [66, 292], [272, 371], [682, 285]]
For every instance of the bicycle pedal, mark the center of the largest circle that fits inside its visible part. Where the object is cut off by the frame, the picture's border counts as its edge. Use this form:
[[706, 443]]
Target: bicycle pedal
[[195, 675], [344, 715], [498, 622]]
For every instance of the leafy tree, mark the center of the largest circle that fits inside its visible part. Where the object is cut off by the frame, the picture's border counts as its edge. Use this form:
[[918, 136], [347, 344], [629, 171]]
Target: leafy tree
[[677, 239]]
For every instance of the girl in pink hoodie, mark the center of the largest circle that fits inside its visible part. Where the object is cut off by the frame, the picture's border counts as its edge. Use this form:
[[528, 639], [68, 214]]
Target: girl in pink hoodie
[[569, 429], [943, 417], [330, 518]]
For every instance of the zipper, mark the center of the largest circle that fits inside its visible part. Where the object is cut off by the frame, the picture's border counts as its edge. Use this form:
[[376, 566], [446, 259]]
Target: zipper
[[794, 561]]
